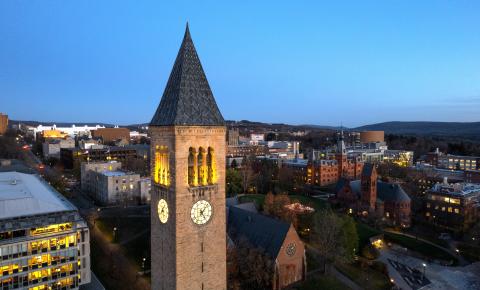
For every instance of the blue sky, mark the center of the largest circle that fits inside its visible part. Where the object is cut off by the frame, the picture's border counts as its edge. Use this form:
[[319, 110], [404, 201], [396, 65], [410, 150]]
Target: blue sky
[[299, 62]]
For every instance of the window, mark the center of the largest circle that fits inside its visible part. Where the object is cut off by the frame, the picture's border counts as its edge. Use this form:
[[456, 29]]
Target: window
[[161, 174]]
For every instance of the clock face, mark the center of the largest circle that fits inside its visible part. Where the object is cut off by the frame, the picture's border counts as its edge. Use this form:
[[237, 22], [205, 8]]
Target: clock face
[[291, 248], [163, 211], [201, 212]]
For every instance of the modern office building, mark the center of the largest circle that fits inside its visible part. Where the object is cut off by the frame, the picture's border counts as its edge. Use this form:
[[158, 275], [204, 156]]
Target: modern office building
[[372, 136], [453, 162], [453, 206], [44, 242], [72, 157]]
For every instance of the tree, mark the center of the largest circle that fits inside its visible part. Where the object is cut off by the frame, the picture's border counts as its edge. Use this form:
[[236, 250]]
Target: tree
[[349, 238], [248, 175], [275, 205], [255, 267], [334, 237], [234, 164], [234, 182]]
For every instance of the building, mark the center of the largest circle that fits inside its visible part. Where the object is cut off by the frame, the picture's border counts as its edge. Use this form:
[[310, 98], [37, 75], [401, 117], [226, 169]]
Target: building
[[188, 143], [453, 162], [115, 187], [90, 144], [73, 157], [322, 172], [72, 131], [233, 137], [256, 138], [44, 242], [112, 134], [51, 148], [108, 184], [3, 123], [87, 168], [455, 206], [370, 196], [277, 239], [472, 176], [50, 134], [372, 136]]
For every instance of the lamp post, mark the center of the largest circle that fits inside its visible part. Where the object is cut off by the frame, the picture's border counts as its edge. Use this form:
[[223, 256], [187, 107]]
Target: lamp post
[[143, 265], [114, 234], [424, 267]]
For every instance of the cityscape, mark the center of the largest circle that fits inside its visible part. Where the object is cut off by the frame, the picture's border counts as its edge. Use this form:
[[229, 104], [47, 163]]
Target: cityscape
[[201, 193]]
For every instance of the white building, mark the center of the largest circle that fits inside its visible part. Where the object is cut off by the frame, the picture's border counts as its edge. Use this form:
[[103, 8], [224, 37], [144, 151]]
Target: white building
[[51, 148], [72, 131], [108, 184], [87, 169], [90, 144], [44, 242]]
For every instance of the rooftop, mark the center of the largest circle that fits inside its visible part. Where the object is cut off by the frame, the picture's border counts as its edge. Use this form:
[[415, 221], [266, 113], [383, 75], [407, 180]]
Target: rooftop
[[25, 195], [187, 99], [460, 189]]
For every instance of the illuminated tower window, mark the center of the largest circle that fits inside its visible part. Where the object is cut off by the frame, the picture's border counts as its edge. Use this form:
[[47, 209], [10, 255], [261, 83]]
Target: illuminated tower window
[[192, 167], [202, 166], [212, 170], [161, 174]]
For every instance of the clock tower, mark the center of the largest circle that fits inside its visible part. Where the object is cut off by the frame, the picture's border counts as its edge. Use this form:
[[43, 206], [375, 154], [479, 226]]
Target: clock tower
[[188, 227]]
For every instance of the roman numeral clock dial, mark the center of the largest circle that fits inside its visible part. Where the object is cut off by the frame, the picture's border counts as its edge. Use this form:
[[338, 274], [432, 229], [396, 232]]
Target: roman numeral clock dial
[[201, 212]]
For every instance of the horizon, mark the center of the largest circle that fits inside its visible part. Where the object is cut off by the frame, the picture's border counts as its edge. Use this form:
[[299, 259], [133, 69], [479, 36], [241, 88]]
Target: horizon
[[332, 65]]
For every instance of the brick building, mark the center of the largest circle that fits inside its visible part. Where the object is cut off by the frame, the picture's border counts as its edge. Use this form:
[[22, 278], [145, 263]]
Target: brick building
[[278, 239], [3, 123], [370, 196], [321, 172], [112, 134]]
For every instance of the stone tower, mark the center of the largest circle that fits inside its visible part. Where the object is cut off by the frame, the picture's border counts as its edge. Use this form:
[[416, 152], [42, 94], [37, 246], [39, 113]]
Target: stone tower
[[188, 226], [369, 186]]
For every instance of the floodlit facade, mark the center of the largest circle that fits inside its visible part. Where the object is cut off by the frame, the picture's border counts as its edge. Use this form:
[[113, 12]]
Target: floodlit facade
[[44, 243]]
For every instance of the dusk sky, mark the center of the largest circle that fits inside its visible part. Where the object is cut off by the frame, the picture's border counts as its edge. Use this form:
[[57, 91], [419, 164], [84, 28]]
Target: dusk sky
[[305, 62]]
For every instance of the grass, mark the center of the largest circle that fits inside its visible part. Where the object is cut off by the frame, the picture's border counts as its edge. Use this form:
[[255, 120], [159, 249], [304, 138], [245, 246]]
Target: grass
[[370, 278], [471, 253], [320, 281], [365, 232], [420, 247]]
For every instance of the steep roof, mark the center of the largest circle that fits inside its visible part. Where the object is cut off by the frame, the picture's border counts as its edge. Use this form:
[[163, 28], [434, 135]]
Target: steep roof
[[187, 99], [367, 169], [261, 231], [386, 192]]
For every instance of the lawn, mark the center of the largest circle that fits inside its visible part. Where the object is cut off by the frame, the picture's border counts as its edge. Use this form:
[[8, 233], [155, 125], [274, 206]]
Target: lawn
[[471, 253], [368, 277], [320, 281], [420, 247]]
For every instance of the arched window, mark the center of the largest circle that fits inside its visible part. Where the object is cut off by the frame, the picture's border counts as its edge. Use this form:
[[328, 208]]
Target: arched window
[[192, 167], [161, 173], [211, 166], [202, 166]]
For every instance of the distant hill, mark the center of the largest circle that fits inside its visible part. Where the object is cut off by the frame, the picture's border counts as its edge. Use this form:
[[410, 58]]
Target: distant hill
[[470, 130]]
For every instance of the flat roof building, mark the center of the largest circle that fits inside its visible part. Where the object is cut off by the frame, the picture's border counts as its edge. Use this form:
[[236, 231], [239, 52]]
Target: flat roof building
[[44, 242]]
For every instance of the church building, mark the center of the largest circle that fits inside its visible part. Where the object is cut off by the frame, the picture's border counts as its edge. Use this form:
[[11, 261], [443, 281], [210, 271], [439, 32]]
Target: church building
[[188, 225]]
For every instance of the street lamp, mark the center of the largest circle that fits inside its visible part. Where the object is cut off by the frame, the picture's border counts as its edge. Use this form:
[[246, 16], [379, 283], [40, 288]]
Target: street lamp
[[424, 267], [143, 265], [458, 251], [114, 233]]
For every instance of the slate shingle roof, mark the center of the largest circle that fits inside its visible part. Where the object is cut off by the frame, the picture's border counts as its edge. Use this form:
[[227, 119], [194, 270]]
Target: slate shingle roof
[[187, 99], [386, 192], [261, 231]]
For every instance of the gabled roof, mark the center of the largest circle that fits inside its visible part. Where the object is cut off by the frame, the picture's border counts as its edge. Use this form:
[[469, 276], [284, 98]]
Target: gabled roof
[[386, 192], [367, 169], [261, 231], [187, 99]]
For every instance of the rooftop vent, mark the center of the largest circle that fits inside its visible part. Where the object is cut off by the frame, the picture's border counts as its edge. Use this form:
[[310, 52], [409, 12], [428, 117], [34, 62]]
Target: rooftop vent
[[14, 182]]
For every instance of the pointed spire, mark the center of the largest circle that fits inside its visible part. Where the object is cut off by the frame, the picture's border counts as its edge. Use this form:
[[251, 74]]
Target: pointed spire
[[187, 99]]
